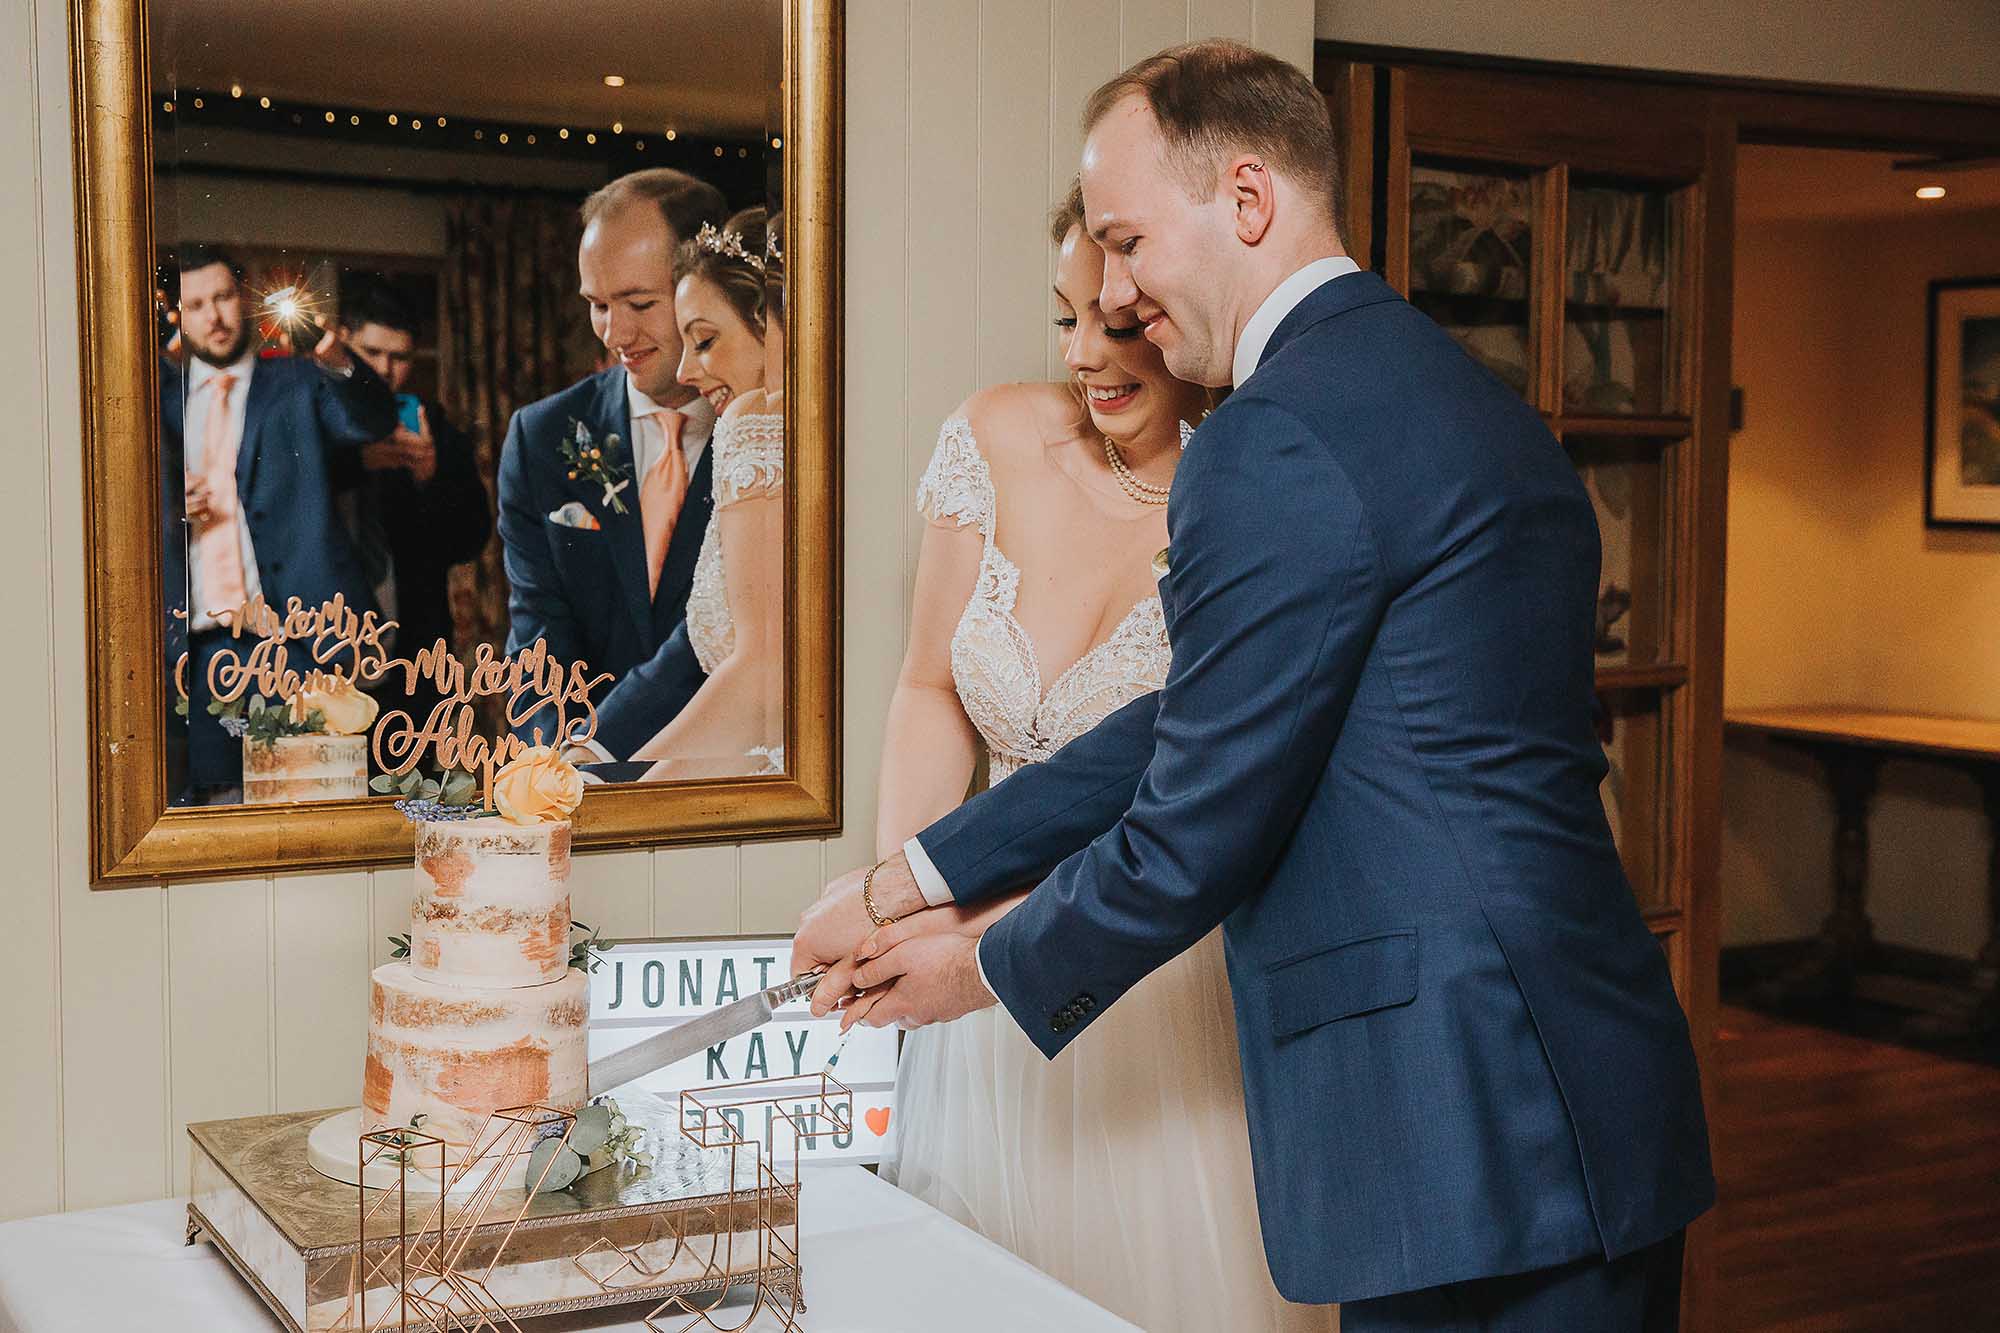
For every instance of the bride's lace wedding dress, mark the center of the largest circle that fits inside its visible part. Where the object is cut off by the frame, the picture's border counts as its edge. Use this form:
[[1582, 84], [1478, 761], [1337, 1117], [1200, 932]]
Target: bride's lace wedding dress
[[749, 465], [1122, 1167]]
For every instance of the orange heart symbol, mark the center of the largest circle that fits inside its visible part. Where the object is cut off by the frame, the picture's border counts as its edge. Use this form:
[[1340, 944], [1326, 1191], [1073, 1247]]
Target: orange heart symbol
[[878, 1120]]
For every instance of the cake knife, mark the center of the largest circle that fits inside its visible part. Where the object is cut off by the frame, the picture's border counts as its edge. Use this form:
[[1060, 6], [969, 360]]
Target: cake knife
[[697, 1034]]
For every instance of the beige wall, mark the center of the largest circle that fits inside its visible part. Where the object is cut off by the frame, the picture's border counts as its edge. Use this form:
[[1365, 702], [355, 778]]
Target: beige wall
[[125, 1014], [1940, 45], [1836, 591]]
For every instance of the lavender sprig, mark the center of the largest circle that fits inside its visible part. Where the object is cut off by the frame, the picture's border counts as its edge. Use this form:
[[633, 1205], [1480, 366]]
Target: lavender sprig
[[420, 810]]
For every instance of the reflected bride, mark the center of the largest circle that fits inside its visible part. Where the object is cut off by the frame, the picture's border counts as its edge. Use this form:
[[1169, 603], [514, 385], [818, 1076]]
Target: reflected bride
[[728, 305]]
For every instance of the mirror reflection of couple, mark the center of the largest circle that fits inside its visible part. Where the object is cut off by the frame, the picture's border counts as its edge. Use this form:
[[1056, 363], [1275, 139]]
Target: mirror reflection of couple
[[642, 508], [1432, 1059]]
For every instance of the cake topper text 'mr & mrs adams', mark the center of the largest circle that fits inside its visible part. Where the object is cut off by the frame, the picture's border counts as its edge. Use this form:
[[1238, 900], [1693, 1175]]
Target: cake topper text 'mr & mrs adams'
[[342, 647]]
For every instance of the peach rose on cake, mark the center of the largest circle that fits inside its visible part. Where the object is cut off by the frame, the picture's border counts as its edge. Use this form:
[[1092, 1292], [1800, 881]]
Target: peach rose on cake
[[537, 786], [345, 709]]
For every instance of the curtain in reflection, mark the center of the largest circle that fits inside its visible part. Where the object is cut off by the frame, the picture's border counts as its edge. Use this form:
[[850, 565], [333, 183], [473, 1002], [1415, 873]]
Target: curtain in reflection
[[512, 330]]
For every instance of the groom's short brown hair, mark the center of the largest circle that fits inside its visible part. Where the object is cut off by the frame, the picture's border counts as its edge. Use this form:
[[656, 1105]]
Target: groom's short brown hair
[[1217, 98], [684, 201]]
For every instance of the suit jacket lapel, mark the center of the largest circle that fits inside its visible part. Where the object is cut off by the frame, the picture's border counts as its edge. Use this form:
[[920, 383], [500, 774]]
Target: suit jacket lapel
[[263, 394], [626, 532]]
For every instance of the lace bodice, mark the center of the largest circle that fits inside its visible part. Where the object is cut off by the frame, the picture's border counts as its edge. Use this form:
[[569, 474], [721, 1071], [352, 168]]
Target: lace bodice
[[1021, 718], [749, 462]]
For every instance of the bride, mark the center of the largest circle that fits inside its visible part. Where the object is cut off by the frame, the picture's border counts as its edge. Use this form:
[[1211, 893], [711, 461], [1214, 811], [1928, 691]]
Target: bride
[[728, 303], [1122, 1167]]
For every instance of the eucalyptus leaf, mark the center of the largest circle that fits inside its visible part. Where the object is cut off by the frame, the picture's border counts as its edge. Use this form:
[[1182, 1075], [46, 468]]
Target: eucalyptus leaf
[[427, 790], [561, 1166], [382, 783], [458, 787], [593, 1127]]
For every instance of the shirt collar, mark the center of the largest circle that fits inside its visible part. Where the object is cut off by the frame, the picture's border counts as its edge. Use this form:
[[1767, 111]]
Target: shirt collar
[[700, 416], [1284, 298], [201, 372], [695, 430]]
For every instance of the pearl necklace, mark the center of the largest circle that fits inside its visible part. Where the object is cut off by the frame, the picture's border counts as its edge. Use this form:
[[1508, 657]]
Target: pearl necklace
[[1143, 491]]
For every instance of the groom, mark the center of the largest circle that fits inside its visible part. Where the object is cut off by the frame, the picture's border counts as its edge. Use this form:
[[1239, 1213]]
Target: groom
[[604, 577], [1472, 1099]]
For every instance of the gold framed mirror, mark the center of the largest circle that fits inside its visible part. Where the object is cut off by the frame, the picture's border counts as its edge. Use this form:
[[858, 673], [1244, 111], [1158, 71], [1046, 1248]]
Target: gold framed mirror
[[183, 142]]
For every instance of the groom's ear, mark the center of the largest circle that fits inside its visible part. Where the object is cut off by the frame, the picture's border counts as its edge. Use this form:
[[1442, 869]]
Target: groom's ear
[[1254, 193]]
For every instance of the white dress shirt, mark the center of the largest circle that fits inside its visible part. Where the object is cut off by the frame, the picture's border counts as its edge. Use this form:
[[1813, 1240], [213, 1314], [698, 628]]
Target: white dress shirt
[[201, 393], [1284, 298]]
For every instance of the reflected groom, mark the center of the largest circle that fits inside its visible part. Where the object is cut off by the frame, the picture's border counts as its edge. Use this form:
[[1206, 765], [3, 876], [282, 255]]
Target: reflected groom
[[601, 585]]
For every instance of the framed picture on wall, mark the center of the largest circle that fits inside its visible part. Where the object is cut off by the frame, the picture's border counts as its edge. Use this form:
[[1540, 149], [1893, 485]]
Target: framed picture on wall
[[1962, 435]]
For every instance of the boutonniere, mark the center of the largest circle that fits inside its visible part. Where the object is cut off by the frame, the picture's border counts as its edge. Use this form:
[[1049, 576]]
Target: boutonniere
[[598, 464]]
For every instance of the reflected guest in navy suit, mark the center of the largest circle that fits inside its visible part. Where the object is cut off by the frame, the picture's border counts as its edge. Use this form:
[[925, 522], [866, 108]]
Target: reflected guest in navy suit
[[599, 585], [249, 448], [1472, 1097]]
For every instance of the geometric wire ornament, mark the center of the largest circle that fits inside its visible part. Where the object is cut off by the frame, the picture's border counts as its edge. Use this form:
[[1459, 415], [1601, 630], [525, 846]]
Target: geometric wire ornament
[[426, 1274], [423, 1276], [717, 1119]]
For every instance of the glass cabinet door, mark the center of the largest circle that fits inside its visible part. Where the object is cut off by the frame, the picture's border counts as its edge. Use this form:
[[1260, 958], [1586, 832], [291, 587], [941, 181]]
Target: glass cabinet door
[[1618, 303], [1471, 256]]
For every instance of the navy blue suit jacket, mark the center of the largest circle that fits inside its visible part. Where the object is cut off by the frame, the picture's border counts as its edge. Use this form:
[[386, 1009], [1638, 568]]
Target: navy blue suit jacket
[[297, 421], [584, 591], [1373, 760]]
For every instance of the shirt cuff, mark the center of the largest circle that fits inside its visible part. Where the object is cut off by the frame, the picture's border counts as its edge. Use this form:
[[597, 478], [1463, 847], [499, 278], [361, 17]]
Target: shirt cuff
[[980, 963], [930, 883], [603, 755]]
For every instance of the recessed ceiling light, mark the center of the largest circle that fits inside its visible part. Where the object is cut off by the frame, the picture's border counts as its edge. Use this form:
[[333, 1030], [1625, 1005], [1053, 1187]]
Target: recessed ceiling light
[[1930, 192], [236, 90], [614, 80]]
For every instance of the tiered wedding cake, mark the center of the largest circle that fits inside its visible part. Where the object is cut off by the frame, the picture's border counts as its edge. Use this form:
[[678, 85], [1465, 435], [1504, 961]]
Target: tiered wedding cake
[[486, 1013]]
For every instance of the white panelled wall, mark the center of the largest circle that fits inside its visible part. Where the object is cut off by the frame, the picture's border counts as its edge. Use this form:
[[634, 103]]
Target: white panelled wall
[[124, 1014]]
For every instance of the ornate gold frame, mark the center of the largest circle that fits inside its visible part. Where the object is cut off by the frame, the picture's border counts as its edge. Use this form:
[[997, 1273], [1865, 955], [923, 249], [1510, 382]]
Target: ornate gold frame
[[134, 836]]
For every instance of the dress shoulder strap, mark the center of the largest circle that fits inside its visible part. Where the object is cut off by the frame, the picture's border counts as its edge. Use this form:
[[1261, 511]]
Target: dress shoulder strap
[[957, 488], [749, 456]]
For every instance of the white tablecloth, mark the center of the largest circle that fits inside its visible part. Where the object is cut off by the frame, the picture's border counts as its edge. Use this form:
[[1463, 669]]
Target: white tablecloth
[[877, 1261]]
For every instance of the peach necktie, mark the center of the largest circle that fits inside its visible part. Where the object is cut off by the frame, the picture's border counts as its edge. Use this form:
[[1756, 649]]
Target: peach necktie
[[217, 545], [661, 493]]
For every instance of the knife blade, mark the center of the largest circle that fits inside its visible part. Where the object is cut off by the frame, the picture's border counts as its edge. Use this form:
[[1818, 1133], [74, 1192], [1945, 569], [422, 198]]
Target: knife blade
[[697, 1034]]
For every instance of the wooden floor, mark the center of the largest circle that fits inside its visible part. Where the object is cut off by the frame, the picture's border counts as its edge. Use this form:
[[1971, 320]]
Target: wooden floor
[[1860, 1184]]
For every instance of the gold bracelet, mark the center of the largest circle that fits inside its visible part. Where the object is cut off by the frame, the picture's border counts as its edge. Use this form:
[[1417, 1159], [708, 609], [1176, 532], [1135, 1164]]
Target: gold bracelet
[[868, 897]]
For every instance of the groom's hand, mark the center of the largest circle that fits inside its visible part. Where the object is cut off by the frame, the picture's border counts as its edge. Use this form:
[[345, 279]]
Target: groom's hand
[[832, 929], [931, 978]]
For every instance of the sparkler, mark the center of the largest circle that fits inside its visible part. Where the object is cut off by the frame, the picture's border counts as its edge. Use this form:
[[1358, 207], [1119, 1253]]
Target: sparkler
[[291, 314]]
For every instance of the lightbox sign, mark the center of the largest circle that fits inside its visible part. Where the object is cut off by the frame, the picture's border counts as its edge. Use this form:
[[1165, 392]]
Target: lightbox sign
[[645, 988]]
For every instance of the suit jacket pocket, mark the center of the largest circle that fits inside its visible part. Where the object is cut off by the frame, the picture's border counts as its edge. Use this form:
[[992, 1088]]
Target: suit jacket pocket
[[1343, 980]]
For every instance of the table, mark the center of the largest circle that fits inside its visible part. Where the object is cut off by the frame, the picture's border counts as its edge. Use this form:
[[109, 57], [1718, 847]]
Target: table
[[877, 1261], [1850, 744]]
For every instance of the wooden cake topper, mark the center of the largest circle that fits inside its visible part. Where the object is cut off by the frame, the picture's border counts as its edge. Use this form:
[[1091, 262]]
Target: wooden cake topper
[[332, 645]]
